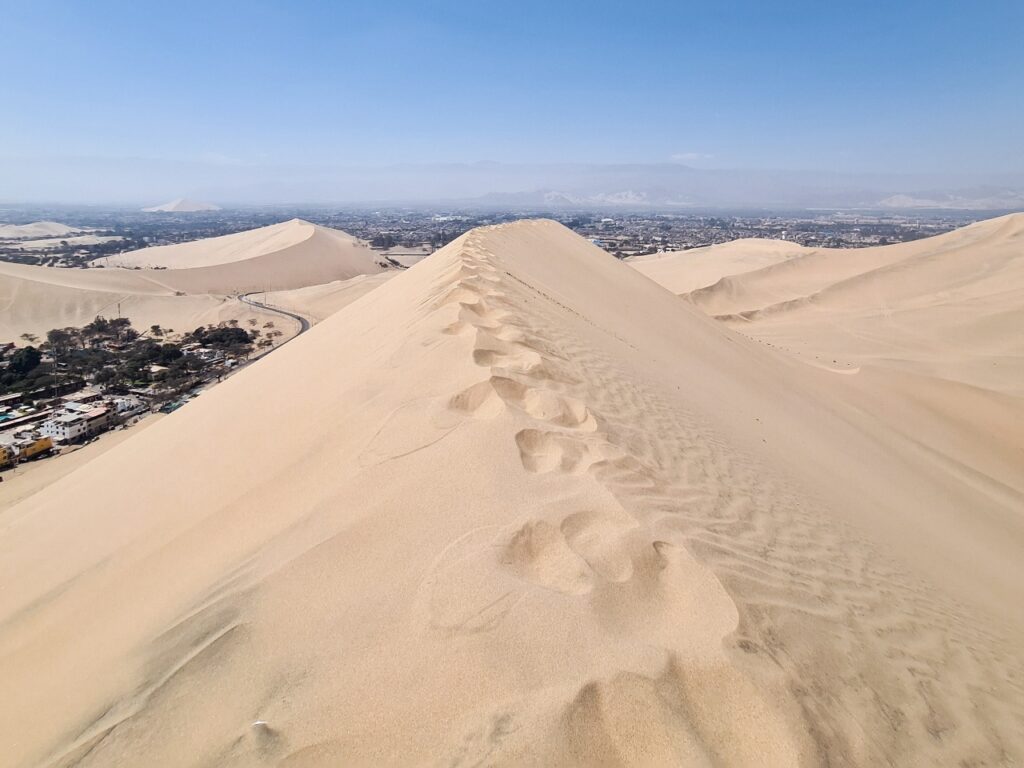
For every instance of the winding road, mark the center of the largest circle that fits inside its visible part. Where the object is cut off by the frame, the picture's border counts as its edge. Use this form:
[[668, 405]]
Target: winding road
[[303, 322]]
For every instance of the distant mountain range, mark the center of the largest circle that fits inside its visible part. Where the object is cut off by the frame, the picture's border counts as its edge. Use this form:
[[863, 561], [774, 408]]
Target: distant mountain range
[[970, 199], [553, 185]]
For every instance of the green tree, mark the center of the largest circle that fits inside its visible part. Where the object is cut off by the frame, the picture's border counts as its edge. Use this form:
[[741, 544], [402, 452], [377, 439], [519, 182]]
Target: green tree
[[24, 360]]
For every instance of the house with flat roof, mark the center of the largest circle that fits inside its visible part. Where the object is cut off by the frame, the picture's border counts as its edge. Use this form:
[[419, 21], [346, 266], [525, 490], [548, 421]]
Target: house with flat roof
[[76, 424]]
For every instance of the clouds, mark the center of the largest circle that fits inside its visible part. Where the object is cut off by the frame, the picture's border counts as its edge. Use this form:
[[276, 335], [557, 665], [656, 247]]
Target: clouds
[[690, 157]]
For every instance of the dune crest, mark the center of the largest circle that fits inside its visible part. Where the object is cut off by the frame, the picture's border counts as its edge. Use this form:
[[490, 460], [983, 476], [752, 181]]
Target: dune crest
[[292, 254], [948, 306], [518, 505], [35, 230]]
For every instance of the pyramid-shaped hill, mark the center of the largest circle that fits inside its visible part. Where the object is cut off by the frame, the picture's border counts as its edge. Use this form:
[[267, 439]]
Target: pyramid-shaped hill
[[517, 505], [292, 254], [181, 205]]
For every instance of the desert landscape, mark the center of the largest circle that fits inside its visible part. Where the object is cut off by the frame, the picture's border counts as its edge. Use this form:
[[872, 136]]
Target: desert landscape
[[547, 385], [185, 285], [529, 507]]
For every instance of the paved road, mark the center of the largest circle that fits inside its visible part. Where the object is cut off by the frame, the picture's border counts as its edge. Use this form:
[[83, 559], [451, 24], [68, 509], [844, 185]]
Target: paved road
[[303, 322]]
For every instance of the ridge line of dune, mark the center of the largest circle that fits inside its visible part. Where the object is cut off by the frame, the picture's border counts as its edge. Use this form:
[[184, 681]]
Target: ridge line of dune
[[571, 437]]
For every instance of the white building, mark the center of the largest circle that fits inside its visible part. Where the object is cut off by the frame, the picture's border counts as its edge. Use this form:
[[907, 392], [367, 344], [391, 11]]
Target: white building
[[75, 424]]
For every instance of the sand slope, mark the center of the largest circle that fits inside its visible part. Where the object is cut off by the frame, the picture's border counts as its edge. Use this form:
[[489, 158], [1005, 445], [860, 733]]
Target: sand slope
[[318, 302], [181, 205], [518, 505], [35, 299], [685, 271], [949, 307], [196, 286], [42, 244], [35, 230], [293, 254]]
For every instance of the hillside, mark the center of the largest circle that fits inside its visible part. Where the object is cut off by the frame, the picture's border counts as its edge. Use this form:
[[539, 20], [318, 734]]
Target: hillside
[[36, 299], [293, 254], [181, 205], [195, 284], [318, 302], [949, 307], [37, 229], [519, 505], [686, 271]]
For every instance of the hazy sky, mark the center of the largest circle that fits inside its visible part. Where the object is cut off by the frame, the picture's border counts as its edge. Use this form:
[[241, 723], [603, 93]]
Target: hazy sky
[[844, 86]]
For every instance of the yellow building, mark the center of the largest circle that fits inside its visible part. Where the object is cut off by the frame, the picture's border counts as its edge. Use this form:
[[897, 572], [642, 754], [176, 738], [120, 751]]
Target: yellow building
[[34, 447], [23, 449]]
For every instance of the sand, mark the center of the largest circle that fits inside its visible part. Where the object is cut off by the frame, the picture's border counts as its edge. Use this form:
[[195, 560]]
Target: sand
[[519, 505], [293, 254], [318, 302], [685, 271], [36, 299], [201, 287], [28, 478], [63, 243], [181, 205], [949, 307], [36, 229]]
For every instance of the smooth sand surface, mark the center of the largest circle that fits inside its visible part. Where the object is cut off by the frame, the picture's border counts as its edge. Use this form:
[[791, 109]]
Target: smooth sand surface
[[29, 478], [46, 243], [36, 229], [35, 299], [202, 289], [948, 307], [293, 254], [685, 271], [181, 205], [521, 506], [318, 302]]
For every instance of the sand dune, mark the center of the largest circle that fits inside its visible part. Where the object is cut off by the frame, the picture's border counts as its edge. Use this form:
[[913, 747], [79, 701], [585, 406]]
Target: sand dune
[[45, 243], [197, 284], [293, 254], [181, 205], [35, 299], [318, 302], [34, 230], [949, 307], [685, 271], [519, 505]]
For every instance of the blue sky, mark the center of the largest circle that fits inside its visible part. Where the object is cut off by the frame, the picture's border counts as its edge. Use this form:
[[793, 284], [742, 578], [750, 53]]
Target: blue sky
[[843, 86]]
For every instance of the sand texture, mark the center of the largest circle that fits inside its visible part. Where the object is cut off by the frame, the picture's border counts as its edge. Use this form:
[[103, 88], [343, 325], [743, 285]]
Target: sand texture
[[318, 302], [685, 271], [293, 254], [34, 300], [198, 282], [948, 307], [520, 505], [37, 229]]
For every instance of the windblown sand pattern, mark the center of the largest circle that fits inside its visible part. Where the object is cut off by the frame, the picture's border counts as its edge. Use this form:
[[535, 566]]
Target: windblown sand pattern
[[521, 506]]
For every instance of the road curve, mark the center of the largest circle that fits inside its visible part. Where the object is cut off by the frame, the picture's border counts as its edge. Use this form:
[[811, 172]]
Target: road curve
[[303, 322]]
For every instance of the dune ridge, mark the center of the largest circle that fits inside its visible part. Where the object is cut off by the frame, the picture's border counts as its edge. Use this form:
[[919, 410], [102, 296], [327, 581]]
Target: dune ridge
[[36, 229], [293, 254], [946, 307], [35, 299], [198, 281], [523, 507], [690, 270]]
